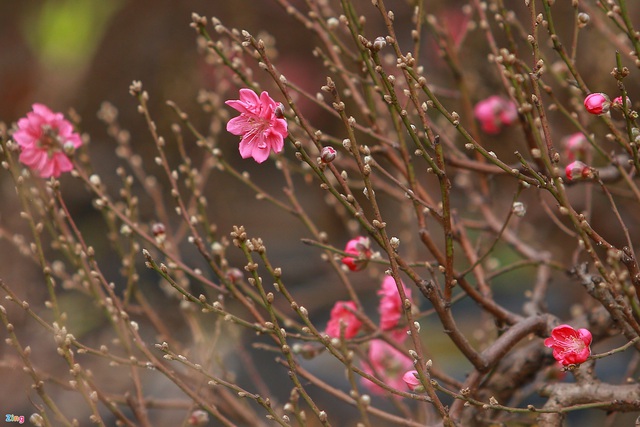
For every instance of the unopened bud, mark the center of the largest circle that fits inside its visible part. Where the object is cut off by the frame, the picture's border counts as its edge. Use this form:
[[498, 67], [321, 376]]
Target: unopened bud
[[328, 154], [379, 43], [158, 229], [198, 418], [518, 209], [583, 19]]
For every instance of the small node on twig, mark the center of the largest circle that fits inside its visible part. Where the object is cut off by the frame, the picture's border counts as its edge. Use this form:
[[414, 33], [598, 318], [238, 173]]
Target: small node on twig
[[36, 420], [394, 242], [135, 88], [379, 224], [378, 44], [519, 209], [583, 19]]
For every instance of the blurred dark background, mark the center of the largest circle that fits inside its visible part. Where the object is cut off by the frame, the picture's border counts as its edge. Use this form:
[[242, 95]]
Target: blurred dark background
[[80, 53]]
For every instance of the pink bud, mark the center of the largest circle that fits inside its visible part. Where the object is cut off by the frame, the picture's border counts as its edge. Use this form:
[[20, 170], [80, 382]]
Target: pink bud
[[494, 113], [577, 169], [617, 102], [412, 380], [575, 145], [360, 249], [597, 103], [328, 154], [198, 418]]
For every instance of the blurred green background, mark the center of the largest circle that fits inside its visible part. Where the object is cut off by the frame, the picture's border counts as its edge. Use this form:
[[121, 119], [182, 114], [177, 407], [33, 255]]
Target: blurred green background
[[79, 53]]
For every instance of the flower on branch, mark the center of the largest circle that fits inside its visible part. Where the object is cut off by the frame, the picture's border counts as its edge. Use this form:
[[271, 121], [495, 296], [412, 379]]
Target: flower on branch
[[597, 103], [570, 346], [390, 308], [328, 154], [412, 381], [617, 102], [577, 169], [46, 139], [360, 248], [260, 124], [342, 313], [388, 363], [494, 113], [576, 146]]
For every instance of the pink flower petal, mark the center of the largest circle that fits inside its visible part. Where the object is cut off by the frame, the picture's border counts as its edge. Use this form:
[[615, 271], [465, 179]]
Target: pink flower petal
[[260, 154], [239, 125], [495, 112], [342, 313], [387, 362], [247, 144], [391, 308]]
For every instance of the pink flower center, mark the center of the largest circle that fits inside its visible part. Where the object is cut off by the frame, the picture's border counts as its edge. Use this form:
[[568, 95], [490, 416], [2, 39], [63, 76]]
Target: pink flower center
[[391, 365], [50, 141], [572, 345], [258, 127]]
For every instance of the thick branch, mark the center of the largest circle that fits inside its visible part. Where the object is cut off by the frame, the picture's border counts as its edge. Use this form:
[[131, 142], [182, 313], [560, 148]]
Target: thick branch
[[608, 397]]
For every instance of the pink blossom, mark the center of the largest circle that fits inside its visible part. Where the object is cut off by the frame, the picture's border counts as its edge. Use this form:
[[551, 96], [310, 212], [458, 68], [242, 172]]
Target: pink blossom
[[575, 145], [597, 103], [412, 381], [577, 169], [45, 138], [260, 123], [617, 102], [387, 364], [343, 313], [390, 308], [570, 346], [495, 112], [361, 251]]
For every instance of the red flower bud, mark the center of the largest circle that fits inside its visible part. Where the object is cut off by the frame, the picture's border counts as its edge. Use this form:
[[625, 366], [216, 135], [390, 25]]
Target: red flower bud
[[597, 103], [617, 103], [577, 169], [361, 251]]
